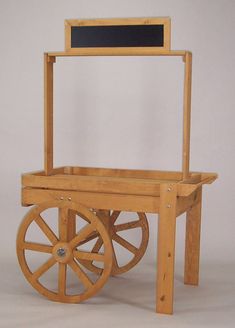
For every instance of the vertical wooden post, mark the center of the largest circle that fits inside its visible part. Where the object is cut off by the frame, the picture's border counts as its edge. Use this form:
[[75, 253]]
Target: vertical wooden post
[[71, 224], [187, 114], [192, 242], [104, 216], [48, 113], [166, 248]]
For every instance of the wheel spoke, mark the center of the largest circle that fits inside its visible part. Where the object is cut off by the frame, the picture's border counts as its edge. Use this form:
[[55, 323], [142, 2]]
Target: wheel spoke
[[127, 226], [115, 262], [81, 274], [81, 235], [62, 278], [114, 217], [97, 245], [46, 229], [43, 268], [37, 247], [90, 237], [81, 255], [125, 243]]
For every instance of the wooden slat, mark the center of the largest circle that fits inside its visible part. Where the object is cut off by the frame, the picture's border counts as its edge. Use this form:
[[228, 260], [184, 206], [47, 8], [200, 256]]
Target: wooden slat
[[62, 273], [82, 255], [43, 268], [71, 224], [81, 274], [128, 173], [127, 226], [166, 176], [194, 178], [187, 114], [36, 247], [147, 204], [46, 229], [118, 21], [124, 243], [48, 113], [63, 224], [94, 184], [184, 203], [119, 52]]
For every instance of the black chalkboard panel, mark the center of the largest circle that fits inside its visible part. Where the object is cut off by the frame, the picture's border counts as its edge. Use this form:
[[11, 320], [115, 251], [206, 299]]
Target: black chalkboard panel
[[117, 36]]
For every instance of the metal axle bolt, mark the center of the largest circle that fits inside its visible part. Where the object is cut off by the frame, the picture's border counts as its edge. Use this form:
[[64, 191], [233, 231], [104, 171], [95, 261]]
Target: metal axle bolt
[[61, 252]]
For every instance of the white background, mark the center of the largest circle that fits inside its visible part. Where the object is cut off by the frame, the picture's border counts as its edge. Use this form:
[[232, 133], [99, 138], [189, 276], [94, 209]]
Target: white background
[[122, 112]]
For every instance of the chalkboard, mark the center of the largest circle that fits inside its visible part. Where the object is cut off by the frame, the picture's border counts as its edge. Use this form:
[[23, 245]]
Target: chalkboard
[[112, 36], [117, 36]]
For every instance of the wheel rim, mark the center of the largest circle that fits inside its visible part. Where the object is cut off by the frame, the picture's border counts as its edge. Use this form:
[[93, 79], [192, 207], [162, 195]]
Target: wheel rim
[[138, 252], [64, 251]]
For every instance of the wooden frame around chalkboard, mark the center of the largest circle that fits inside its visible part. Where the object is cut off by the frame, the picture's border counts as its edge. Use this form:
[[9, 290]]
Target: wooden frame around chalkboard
[[164, 21]]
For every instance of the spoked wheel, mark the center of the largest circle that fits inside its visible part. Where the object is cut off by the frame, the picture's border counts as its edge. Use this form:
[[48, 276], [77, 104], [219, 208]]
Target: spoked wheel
[[115, 228], [64, 251]]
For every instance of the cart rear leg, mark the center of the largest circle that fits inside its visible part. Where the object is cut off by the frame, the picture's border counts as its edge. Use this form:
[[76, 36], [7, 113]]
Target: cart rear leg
[[192, 242]]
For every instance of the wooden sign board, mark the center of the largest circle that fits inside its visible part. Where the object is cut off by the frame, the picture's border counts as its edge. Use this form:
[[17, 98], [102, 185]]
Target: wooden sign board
[[117, 34]]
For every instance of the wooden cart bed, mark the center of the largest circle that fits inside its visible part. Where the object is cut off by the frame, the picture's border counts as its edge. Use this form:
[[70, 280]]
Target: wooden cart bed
[[120, 189]]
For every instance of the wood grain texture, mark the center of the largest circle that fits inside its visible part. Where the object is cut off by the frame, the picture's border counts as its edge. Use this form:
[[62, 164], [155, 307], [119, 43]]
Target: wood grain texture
[[166, 249], [119, 52], [165, 21], [132, 203], [187, 114], [110, 221], [192, 242], [48, 113], [69, 247]]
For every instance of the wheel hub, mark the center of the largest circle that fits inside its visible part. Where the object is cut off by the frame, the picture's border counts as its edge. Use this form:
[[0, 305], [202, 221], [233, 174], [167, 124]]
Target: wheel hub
[[62, 252]]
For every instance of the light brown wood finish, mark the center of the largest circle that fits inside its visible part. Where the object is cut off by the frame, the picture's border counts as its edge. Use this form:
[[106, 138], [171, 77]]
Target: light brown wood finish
[[71, 223], [48, 113], [119, 52], [128, 203], [110, 220], [165, 21], [130, 186], [206, 177], [164, 192], [103, 184], [187, 114], [192, 242], [71, 253], [166, 249]]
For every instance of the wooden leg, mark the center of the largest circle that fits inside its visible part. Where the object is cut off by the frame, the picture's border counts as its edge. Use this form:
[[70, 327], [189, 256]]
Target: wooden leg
[[166, 249], [192, 243]]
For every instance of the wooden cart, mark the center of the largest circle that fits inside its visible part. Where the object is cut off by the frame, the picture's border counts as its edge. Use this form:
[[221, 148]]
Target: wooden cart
[[90, 200]]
